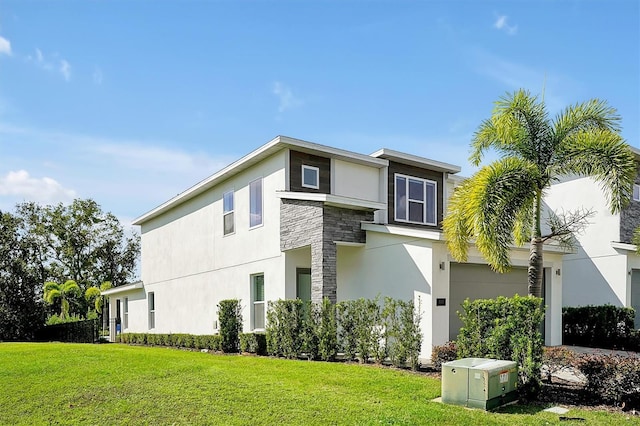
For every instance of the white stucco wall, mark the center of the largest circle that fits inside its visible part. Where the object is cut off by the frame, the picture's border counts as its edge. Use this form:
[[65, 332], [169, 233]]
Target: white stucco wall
[[596, 273], [190, 265], [356, 181]]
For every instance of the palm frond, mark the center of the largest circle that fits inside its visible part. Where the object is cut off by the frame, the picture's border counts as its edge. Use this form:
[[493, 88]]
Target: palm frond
[[593, 114], [605, 156], [70, 287], [92, 293], [489, 207], [51, 295]]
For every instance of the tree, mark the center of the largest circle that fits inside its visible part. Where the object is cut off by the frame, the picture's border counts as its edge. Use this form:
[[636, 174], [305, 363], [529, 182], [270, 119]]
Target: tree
[[21, 308], [81, 242], [94, 297], [502, 202], [63, 292]]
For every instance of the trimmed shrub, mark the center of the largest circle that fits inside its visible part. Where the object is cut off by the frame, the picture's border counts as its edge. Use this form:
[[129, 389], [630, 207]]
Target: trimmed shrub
[[606, 326], [284, 328], [327, 331], [505, 328], [309, 329], [444, 353], [359, 328], [255, 343], [230, 319]]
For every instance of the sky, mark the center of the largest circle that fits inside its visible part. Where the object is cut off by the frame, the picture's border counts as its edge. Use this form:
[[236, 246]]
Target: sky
[[131, 102]]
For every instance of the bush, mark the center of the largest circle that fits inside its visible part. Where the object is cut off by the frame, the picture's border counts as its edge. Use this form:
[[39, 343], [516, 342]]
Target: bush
[[255, 343], [230, 319], [612, 378], [56, 319], [360, 328], [327, 331], [284, 328], [607, 327], [505, 328], [444, 353]]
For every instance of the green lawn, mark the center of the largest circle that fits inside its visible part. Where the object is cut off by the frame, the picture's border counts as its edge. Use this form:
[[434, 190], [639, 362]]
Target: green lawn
[[53, 383]]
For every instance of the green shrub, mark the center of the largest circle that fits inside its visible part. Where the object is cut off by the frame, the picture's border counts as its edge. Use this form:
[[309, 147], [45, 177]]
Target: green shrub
[[327, 331], [505, 328], [56, 319], [444, 353], [347, 323], [402, 337], [606, 326], [309, 329], [284, 328], [254, 343], [230, 320]]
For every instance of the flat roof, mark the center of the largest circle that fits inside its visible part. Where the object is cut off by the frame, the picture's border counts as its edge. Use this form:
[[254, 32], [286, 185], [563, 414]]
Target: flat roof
[[415, 160]]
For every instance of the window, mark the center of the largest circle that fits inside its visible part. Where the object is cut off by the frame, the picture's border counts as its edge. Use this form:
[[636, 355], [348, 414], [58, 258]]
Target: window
[[257, 281], [152, 310], [415, 200], [636, 192], [310, 177], [303, 283], [227, 213], [255, 203], [125, 319]]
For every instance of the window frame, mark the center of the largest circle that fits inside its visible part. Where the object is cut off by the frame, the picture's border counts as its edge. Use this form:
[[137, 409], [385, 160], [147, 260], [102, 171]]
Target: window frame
[[635, 191], [151, 303], [226, 213], [125, 313], [315, 169], [408, 200], [255, 302], [256, 225]]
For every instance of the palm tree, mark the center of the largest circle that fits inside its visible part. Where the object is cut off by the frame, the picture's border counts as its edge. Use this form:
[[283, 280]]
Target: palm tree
[[501, 204], [54, 291], [94, 297]]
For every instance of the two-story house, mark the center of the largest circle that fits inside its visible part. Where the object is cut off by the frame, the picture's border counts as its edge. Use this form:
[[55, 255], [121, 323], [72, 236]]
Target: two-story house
[[604, 269], [298, 219]]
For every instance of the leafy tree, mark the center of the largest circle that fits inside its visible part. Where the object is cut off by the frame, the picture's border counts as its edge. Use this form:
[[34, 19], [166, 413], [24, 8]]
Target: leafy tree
[[21, 308], [62, 292], [502, 202], [80, 242]]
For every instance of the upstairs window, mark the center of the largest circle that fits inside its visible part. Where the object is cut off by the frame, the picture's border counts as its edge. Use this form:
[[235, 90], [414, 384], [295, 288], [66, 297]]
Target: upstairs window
[[227, 213], [636, 192], [415, 200], [255, 203], [310, 177]]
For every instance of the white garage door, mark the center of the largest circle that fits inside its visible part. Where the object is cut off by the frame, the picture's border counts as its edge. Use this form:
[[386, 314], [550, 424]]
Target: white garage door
[[480, 282]]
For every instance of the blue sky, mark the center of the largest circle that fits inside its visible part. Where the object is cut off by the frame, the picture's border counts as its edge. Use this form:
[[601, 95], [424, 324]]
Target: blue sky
[[132, 102]]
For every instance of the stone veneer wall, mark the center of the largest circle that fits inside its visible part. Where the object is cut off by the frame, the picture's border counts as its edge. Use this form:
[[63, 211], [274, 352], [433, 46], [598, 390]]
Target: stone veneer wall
[[311, 223], [630, 219]]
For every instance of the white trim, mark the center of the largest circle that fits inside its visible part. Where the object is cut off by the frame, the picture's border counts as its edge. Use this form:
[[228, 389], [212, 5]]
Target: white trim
[[333, 200], [270, 148], [349, 244], [315, 169], [427, 234], [636, 191], [623, 246], [425, 182], [123, 288], [415, 160]]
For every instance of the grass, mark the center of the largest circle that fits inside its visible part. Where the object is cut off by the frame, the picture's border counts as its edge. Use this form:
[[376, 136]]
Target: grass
[[54, 383]]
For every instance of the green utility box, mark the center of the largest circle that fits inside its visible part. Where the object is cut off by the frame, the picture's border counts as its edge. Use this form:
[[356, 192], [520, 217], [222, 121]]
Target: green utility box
[[479, 382]]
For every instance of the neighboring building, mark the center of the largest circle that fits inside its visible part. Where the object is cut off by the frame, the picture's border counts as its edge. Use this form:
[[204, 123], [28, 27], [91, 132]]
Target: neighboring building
[[297, 219], [605, 268]]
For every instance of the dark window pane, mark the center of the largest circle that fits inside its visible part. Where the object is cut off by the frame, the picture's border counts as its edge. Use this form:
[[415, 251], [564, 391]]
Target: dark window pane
[[228, 202], [255, 203], [431, 203], [228, 223], [401, 198], [310, 177], [416, 212]]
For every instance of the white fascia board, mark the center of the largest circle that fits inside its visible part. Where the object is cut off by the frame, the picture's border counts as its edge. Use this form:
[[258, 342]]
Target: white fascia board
[[271, 147], [623, 246], [349, 244], [123, 288], [415, 160], [404, 231], [333, 200]]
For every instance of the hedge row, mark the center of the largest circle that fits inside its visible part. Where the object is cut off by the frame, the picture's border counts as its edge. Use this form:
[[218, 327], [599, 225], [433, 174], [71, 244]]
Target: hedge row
[[361, 329], [607, 327], [211, 342]]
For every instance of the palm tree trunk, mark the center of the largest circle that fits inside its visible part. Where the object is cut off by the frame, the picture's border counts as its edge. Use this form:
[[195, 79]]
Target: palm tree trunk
[[535, 270]]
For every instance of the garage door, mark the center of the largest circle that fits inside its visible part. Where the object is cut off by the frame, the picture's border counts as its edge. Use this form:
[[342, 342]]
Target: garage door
[[480, 282]]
